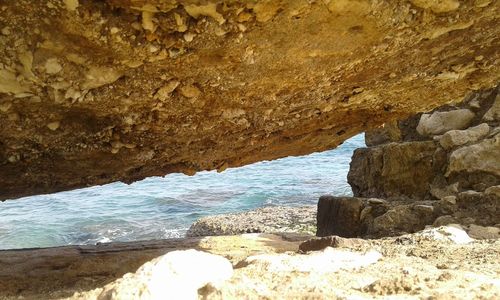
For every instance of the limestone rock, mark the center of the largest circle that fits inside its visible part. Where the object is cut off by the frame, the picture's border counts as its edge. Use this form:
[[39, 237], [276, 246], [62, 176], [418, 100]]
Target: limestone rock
[[179, 273], [480, 157], [268, 219], [483, 232], [389, 132], [493, 114], [455, 138], [393, 170], [451, 233], [441, 122], [301, 92], [327, 261]]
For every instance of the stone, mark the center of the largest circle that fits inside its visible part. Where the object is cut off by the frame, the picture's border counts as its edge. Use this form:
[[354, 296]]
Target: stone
[[401, 219], [326, 261], [455, 138], [316, 244], [389, 132], [52, 66], [71, 5], [493, 114], [301, 92], [483, 232], [391, 170], [480, 157], [444, 220], [493, 190], [179, 273], [269, 219], [441, 122], [339, 216], [450, 233]]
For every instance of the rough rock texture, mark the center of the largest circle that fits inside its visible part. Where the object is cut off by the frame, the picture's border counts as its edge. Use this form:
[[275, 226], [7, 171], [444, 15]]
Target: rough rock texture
[[437, 177], [98, 91], [269, 219], [52, 273], [425, 265], [435, 166]]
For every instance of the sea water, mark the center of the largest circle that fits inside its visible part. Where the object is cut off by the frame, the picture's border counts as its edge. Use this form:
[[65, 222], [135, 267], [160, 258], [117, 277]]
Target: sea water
[[165, 207]]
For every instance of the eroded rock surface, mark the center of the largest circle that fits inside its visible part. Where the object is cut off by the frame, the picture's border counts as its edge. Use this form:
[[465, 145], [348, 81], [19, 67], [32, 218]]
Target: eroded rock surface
[[98, 91]]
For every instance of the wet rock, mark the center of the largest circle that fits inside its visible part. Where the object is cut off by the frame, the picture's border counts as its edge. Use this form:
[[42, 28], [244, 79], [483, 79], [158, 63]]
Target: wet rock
[[316, 244], [441, 122], [269, 219], [339, 216], [455, 138]]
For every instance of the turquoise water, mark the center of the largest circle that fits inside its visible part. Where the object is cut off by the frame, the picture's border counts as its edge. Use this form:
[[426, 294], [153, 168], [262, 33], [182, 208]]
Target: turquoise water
[[165, 207]]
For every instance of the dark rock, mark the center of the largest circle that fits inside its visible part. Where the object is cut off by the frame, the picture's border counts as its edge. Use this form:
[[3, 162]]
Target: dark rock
[[389, 132], [316, 244], [339, 216]]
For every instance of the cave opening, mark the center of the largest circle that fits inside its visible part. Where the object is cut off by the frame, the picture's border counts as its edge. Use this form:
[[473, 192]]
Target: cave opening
[[165, 207]]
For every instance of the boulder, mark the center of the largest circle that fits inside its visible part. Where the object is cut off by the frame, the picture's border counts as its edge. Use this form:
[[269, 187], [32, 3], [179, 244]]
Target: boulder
[[441, 122], [177, 274], [339, 216], [483, 232], [396, 169], [455, 138], [388, 132], [493, 114], [480, 157]]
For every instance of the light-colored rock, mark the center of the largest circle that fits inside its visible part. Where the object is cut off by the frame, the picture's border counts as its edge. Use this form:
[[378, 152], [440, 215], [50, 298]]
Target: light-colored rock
[[328, 260], [494, 112], [493, 190], [481, 157], [262, 220], [177, 274], [52, 66], [441, 122], [98, 76], [451, 233], [71, 5], [483, 232], [455, 138]]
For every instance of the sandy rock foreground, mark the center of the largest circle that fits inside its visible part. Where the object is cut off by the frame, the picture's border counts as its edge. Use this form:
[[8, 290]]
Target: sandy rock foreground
[[436, 263]]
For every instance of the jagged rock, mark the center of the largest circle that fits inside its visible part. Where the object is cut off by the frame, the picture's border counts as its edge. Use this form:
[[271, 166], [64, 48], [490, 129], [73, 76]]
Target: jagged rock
[[393, 170], [389, 132], [111, 62], [481, 157], [493, 114], [441, 122], [269, 219], [455, 138]]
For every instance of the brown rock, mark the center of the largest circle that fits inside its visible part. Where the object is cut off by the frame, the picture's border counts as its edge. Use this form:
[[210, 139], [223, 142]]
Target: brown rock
[[339, 216], [365, 65], [404, 169]]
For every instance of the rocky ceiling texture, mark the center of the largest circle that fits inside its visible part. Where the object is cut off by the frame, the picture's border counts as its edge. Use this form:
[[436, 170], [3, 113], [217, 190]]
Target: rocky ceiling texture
[[93, 92]]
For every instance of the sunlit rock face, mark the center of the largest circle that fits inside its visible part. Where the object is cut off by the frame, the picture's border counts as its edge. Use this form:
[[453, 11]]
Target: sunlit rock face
[[98, 91]]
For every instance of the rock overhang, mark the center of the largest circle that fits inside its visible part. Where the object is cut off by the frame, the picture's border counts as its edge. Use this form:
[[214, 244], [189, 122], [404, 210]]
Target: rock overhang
[[96, 92]]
